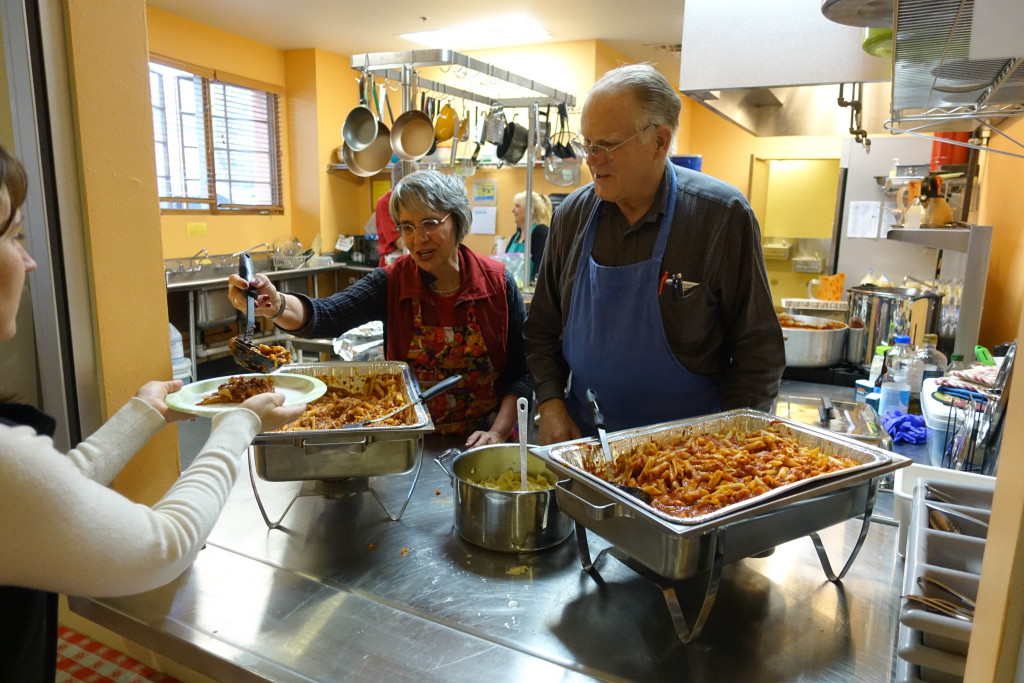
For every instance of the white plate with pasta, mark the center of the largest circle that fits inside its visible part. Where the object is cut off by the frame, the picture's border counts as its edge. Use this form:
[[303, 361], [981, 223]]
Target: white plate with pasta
[[230, 391]]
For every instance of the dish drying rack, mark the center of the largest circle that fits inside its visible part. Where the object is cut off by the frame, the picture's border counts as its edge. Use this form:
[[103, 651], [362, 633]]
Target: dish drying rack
[[975, 423]]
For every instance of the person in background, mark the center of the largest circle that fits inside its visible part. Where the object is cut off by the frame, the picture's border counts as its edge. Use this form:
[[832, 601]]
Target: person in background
[[446, 311], [64, 530], [653, 292], [388, 245], [540, 214]]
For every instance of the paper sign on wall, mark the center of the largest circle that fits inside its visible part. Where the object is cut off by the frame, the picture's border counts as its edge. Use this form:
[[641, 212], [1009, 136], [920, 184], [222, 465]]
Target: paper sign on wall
[[485, 219], [864, 219], [485, 192], [195, 229]]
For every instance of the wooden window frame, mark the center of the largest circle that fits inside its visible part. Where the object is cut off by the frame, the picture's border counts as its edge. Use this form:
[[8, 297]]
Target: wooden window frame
[[213, 78]]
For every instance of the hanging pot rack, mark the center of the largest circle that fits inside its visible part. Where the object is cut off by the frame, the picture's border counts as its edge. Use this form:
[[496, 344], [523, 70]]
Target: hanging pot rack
[[398, 66]]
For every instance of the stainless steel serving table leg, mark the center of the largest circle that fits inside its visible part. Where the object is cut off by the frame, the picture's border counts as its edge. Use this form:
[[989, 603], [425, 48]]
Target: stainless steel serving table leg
[[684, 630], [869, 506], [259, 501], [307, 490], [408, 496]]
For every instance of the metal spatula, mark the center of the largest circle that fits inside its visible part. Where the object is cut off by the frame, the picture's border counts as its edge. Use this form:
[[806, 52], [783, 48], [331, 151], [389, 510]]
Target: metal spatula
[[602, 434], [430, 393], [245, 353]]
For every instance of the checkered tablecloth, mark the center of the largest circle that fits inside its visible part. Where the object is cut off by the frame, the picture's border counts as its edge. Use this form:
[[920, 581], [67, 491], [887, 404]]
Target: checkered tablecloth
[[83, 659]]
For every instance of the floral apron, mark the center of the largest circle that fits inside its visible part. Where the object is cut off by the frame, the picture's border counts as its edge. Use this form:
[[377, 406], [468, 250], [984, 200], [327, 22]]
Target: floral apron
[[436, 353]]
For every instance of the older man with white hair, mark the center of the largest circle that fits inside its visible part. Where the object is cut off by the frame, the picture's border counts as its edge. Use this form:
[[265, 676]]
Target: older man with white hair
[[653, 290]]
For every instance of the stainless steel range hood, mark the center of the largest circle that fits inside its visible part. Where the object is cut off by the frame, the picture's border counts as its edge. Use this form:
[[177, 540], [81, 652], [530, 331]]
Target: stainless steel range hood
[[773, 68]]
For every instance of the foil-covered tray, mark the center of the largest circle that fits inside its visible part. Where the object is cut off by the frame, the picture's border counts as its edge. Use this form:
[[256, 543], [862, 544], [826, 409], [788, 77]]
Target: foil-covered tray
[[574, 454], [346, 452]]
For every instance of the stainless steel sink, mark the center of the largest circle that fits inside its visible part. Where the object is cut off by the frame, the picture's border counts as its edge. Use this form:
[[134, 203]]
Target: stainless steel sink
[[181, 271]]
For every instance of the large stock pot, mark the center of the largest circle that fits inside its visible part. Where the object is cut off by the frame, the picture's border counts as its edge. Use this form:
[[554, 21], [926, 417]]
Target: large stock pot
[[910, 311]]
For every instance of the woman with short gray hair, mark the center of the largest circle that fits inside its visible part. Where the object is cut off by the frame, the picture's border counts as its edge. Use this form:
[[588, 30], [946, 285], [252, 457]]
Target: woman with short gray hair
[[446, 311]]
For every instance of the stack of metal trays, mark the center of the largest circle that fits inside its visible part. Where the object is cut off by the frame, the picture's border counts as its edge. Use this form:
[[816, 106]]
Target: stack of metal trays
[[678, 548], [347, 452]]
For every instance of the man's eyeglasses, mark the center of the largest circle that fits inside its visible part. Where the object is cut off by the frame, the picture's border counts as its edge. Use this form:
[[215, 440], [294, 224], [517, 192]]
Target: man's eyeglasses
[[427, 225], [599, 154]]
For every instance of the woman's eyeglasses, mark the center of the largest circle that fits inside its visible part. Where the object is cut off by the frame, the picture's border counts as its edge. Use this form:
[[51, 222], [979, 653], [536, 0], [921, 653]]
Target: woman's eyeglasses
[[427, 225], [599, 154]]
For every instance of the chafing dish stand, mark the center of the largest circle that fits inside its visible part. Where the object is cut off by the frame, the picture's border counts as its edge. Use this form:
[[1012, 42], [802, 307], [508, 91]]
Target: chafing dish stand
[[337, 488]]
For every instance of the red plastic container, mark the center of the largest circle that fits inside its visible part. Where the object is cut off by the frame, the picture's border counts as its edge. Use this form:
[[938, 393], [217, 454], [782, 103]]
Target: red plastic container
[[945, 154]]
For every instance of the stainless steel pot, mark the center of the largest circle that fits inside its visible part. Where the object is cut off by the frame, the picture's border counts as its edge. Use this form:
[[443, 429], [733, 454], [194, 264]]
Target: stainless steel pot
[[513, 143], [813, 348], [910, 311], [506, 521]]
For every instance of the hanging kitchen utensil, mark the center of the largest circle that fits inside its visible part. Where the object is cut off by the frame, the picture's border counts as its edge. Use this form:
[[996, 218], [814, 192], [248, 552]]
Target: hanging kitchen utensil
[[494, 126], [513, 142], [360, 127], [374, 158], [455, 144], [446, 123], [563, 147], [483, 136], [436, 390], [464, 126], [544, 133], [245, 353], [412, 135], [602, 434], [428, 108]]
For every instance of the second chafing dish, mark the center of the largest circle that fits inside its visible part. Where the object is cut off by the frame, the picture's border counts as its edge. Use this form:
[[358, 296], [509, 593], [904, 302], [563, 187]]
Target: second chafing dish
[[677, 548], [351, 452]]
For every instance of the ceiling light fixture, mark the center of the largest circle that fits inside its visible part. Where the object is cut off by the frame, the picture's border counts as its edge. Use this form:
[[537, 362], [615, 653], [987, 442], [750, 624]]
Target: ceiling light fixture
[[497, 32]]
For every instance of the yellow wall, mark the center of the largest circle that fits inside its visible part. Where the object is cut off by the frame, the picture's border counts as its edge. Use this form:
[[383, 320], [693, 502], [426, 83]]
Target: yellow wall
[[121, 219], [6, 125], [173, 36], [1001, 205]]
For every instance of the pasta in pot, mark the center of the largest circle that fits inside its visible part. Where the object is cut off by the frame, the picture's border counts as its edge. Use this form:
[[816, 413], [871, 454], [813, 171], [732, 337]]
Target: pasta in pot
[[696, 474]]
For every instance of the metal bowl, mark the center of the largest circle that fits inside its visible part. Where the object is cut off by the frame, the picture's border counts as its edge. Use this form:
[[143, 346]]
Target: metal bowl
[[813, 348], [506, 521]]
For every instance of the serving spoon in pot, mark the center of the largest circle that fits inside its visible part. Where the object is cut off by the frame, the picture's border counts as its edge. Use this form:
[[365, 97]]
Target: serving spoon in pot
[[245, 353]]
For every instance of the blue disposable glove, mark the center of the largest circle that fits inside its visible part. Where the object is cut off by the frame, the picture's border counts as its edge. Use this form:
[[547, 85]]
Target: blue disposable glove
[[907, 428]]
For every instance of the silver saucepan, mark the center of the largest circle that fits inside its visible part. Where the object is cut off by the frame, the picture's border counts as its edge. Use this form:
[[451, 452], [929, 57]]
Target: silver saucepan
[[506, 521]]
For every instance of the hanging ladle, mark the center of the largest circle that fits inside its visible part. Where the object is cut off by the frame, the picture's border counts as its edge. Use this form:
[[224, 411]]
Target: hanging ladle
[[602, 434], [436, 390], [245, 353]]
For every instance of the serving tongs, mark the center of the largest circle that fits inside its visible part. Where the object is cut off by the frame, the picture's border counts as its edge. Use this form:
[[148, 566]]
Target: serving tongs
[[602, 434], [436, 390], [245, 353]]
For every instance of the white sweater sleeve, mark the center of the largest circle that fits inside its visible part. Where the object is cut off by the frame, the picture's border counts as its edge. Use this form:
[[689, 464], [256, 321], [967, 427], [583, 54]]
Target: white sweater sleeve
[[66, 532]]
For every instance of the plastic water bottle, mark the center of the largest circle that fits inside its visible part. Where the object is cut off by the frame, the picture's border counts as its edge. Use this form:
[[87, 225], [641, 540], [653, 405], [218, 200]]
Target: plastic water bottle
[[907, 367], [895, 394], [934, 360], [956, 363]]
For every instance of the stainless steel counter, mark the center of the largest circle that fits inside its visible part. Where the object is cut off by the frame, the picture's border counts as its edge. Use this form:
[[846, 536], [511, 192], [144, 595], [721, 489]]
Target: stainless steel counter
[[341, 593]]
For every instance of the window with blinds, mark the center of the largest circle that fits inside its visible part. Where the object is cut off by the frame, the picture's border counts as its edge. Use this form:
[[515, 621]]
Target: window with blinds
[[217, 144]]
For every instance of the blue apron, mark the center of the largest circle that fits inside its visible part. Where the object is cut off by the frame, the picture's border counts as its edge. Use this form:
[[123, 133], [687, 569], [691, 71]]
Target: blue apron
[[615, 343]]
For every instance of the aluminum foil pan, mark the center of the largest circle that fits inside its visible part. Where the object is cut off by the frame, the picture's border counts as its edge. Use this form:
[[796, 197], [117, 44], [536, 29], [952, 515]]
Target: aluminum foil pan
[[573, 454], [354, 376], [347, 452]]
